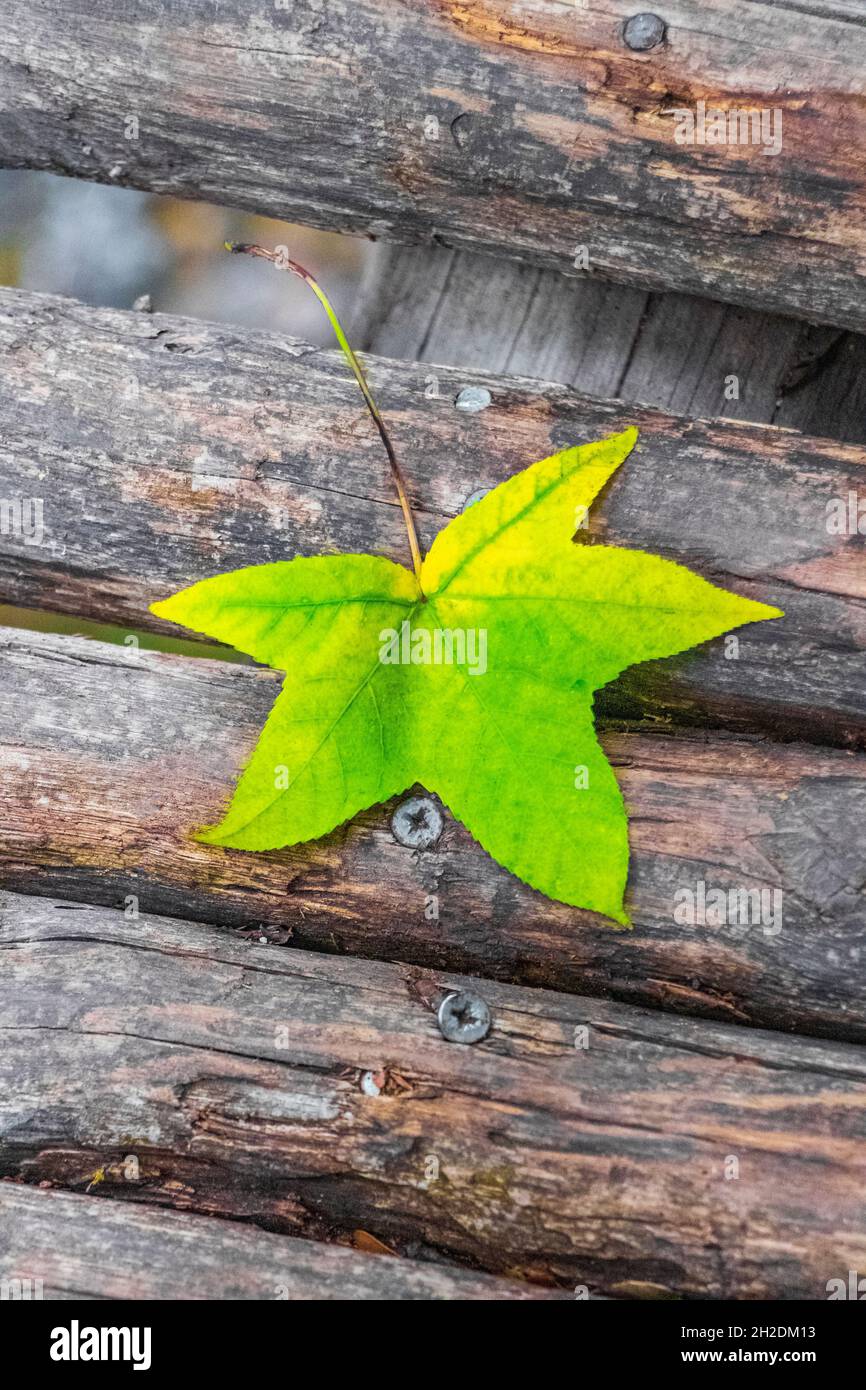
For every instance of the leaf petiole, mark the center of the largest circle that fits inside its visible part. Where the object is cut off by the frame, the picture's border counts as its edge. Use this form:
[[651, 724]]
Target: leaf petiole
[[282, 262]]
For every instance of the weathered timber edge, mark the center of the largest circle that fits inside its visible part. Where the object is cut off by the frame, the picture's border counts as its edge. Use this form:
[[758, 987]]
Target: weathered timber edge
[[490, 125], [166, 450], [581, 1142], [112, 757], [71, 1246]]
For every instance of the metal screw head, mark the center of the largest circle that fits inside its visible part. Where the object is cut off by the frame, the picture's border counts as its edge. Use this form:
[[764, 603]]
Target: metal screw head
[[464, 1017], [643, 31], [474, 497], [417, 823], [473, 399]]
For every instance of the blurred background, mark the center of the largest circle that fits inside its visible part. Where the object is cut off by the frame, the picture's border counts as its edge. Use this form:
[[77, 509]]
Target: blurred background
[[108, 246]]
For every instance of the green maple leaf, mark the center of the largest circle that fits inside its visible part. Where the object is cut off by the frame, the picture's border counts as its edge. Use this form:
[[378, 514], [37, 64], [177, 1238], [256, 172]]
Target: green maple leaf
[[511, 748]]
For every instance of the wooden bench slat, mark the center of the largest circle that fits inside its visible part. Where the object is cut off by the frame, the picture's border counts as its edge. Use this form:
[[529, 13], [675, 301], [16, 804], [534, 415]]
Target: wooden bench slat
[[497, 125], [111, 757], [674, 1152], [172, 450], [69, 1246]]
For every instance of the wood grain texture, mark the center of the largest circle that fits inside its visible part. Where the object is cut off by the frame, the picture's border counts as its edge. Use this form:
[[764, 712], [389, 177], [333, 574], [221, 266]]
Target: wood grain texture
[[111, 758], [173, 450], [234, 1074], [85, 1247], [672, 351], [550, 132]]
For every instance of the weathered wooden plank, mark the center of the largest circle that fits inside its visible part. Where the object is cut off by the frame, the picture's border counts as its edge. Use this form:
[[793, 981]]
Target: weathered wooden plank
[[684, 354], [502, 125], [580, 1142], [65, 1246], [455, 308], [110, 758], [172, 450]]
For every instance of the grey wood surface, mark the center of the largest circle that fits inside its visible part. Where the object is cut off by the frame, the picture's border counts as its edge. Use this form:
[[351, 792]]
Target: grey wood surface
[[175, 449], [680, 353], [69, 1246], [499, 125], [111, 758], [580, 1142]]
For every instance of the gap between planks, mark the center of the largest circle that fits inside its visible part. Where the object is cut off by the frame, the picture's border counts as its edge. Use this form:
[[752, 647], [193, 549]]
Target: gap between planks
[[58, 1245], [673, 352]]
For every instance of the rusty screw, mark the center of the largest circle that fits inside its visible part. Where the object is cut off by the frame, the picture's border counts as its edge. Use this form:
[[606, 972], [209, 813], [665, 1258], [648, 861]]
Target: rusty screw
[[643, 31], [464, 1017], [417, 823]]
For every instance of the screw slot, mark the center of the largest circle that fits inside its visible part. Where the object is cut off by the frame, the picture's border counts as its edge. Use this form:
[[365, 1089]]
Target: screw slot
[[417, 823], [464, 1017]]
